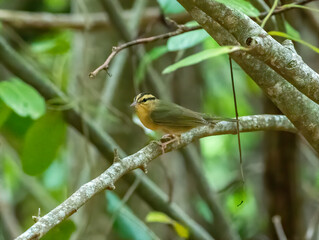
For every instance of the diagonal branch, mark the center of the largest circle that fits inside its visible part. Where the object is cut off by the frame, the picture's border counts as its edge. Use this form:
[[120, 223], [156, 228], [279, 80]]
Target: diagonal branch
[[144, 156], [282, 60], [181, 29], [147, 190], [45, 20], [301, 111]]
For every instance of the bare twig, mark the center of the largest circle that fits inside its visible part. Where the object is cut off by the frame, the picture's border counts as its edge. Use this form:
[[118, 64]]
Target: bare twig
[[144, 156], [44, 20], [147, 190], [116, 50], [181, 29]]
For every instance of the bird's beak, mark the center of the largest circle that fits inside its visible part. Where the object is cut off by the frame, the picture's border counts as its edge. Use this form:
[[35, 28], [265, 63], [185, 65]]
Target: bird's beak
[[133, 104]]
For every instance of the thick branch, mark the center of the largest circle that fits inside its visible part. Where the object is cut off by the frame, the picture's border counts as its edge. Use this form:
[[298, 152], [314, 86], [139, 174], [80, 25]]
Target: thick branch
[[300, 110], [45, 20], [282, 60], [147, 190], [144, 156]]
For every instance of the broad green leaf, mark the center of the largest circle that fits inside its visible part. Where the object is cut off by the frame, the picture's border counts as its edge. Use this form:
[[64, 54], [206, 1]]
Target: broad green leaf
[[285, 35], [163, 218], [241, 5], [4, 112], [181, 230], [201, 56], [42, 142], [62, 231], [152, 55], [22, 98], [170, 6], [188, 39], [126, 223]]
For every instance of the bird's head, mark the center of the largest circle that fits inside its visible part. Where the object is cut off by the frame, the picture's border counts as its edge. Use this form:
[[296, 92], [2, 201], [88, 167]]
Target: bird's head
[[145, 100]]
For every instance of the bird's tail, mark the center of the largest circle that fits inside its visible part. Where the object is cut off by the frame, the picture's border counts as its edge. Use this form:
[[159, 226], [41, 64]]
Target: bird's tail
[[214, 119]]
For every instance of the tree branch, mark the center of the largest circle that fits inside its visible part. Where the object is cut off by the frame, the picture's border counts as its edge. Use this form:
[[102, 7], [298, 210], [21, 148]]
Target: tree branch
[[300, 110], [143, 157], [181, 29], [281, 9], [147, 190], [285, 62], [44, 20]]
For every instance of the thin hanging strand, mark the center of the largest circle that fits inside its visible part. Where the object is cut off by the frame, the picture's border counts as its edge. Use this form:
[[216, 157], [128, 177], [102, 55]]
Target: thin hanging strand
[[237, 121]]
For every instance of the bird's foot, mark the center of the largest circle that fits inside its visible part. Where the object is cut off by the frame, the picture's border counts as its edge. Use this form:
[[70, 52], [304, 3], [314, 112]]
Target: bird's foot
[[167, 139]]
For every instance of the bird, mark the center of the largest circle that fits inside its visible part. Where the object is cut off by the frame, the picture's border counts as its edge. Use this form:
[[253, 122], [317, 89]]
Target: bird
[[169, 118]]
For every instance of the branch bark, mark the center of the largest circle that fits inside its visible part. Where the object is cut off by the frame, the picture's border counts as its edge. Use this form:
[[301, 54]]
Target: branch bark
[[147, 190], [141, 158], [285, 62], [300, 110]]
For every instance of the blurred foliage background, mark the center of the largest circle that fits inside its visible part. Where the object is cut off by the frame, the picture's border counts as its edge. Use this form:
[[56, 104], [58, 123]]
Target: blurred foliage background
[[43, 160]]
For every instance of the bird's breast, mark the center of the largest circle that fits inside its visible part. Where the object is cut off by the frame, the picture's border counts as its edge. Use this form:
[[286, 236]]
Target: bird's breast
[[144, 115]]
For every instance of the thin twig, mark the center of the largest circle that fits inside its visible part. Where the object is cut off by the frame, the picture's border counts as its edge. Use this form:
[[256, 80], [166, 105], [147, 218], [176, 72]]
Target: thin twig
[[181, 29], [116, 50], [281, 9]]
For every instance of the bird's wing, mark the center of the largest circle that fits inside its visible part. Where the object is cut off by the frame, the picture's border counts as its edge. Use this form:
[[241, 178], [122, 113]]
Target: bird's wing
[[170, 114]]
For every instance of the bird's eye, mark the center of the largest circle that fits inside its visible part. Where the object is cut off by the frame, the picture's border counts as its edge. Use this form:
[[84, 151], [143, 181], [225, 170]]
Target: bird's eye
[[144, 100]]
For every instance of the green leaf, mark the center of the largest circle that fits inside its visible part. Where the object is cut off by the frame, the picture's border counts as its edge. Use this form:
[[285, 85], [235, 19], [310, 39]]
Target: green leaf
[[4, 112], [170, 6], [188, 39], [62, 231], [285, 35], [163, 218], [126, 223], [241, 5], [152, 55], [201, 56], [22, 98], [42, 142]]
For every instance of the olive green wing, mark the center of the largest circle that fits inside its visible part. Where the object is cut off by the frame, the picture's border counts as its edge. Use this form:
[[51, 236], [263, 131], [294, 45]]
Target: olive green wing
[[172, 115]]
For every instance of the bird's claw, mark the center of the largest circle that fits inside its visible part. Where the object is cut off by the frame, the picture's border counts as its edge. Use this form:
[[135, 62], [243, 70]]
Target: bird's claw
[[167, 139]]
